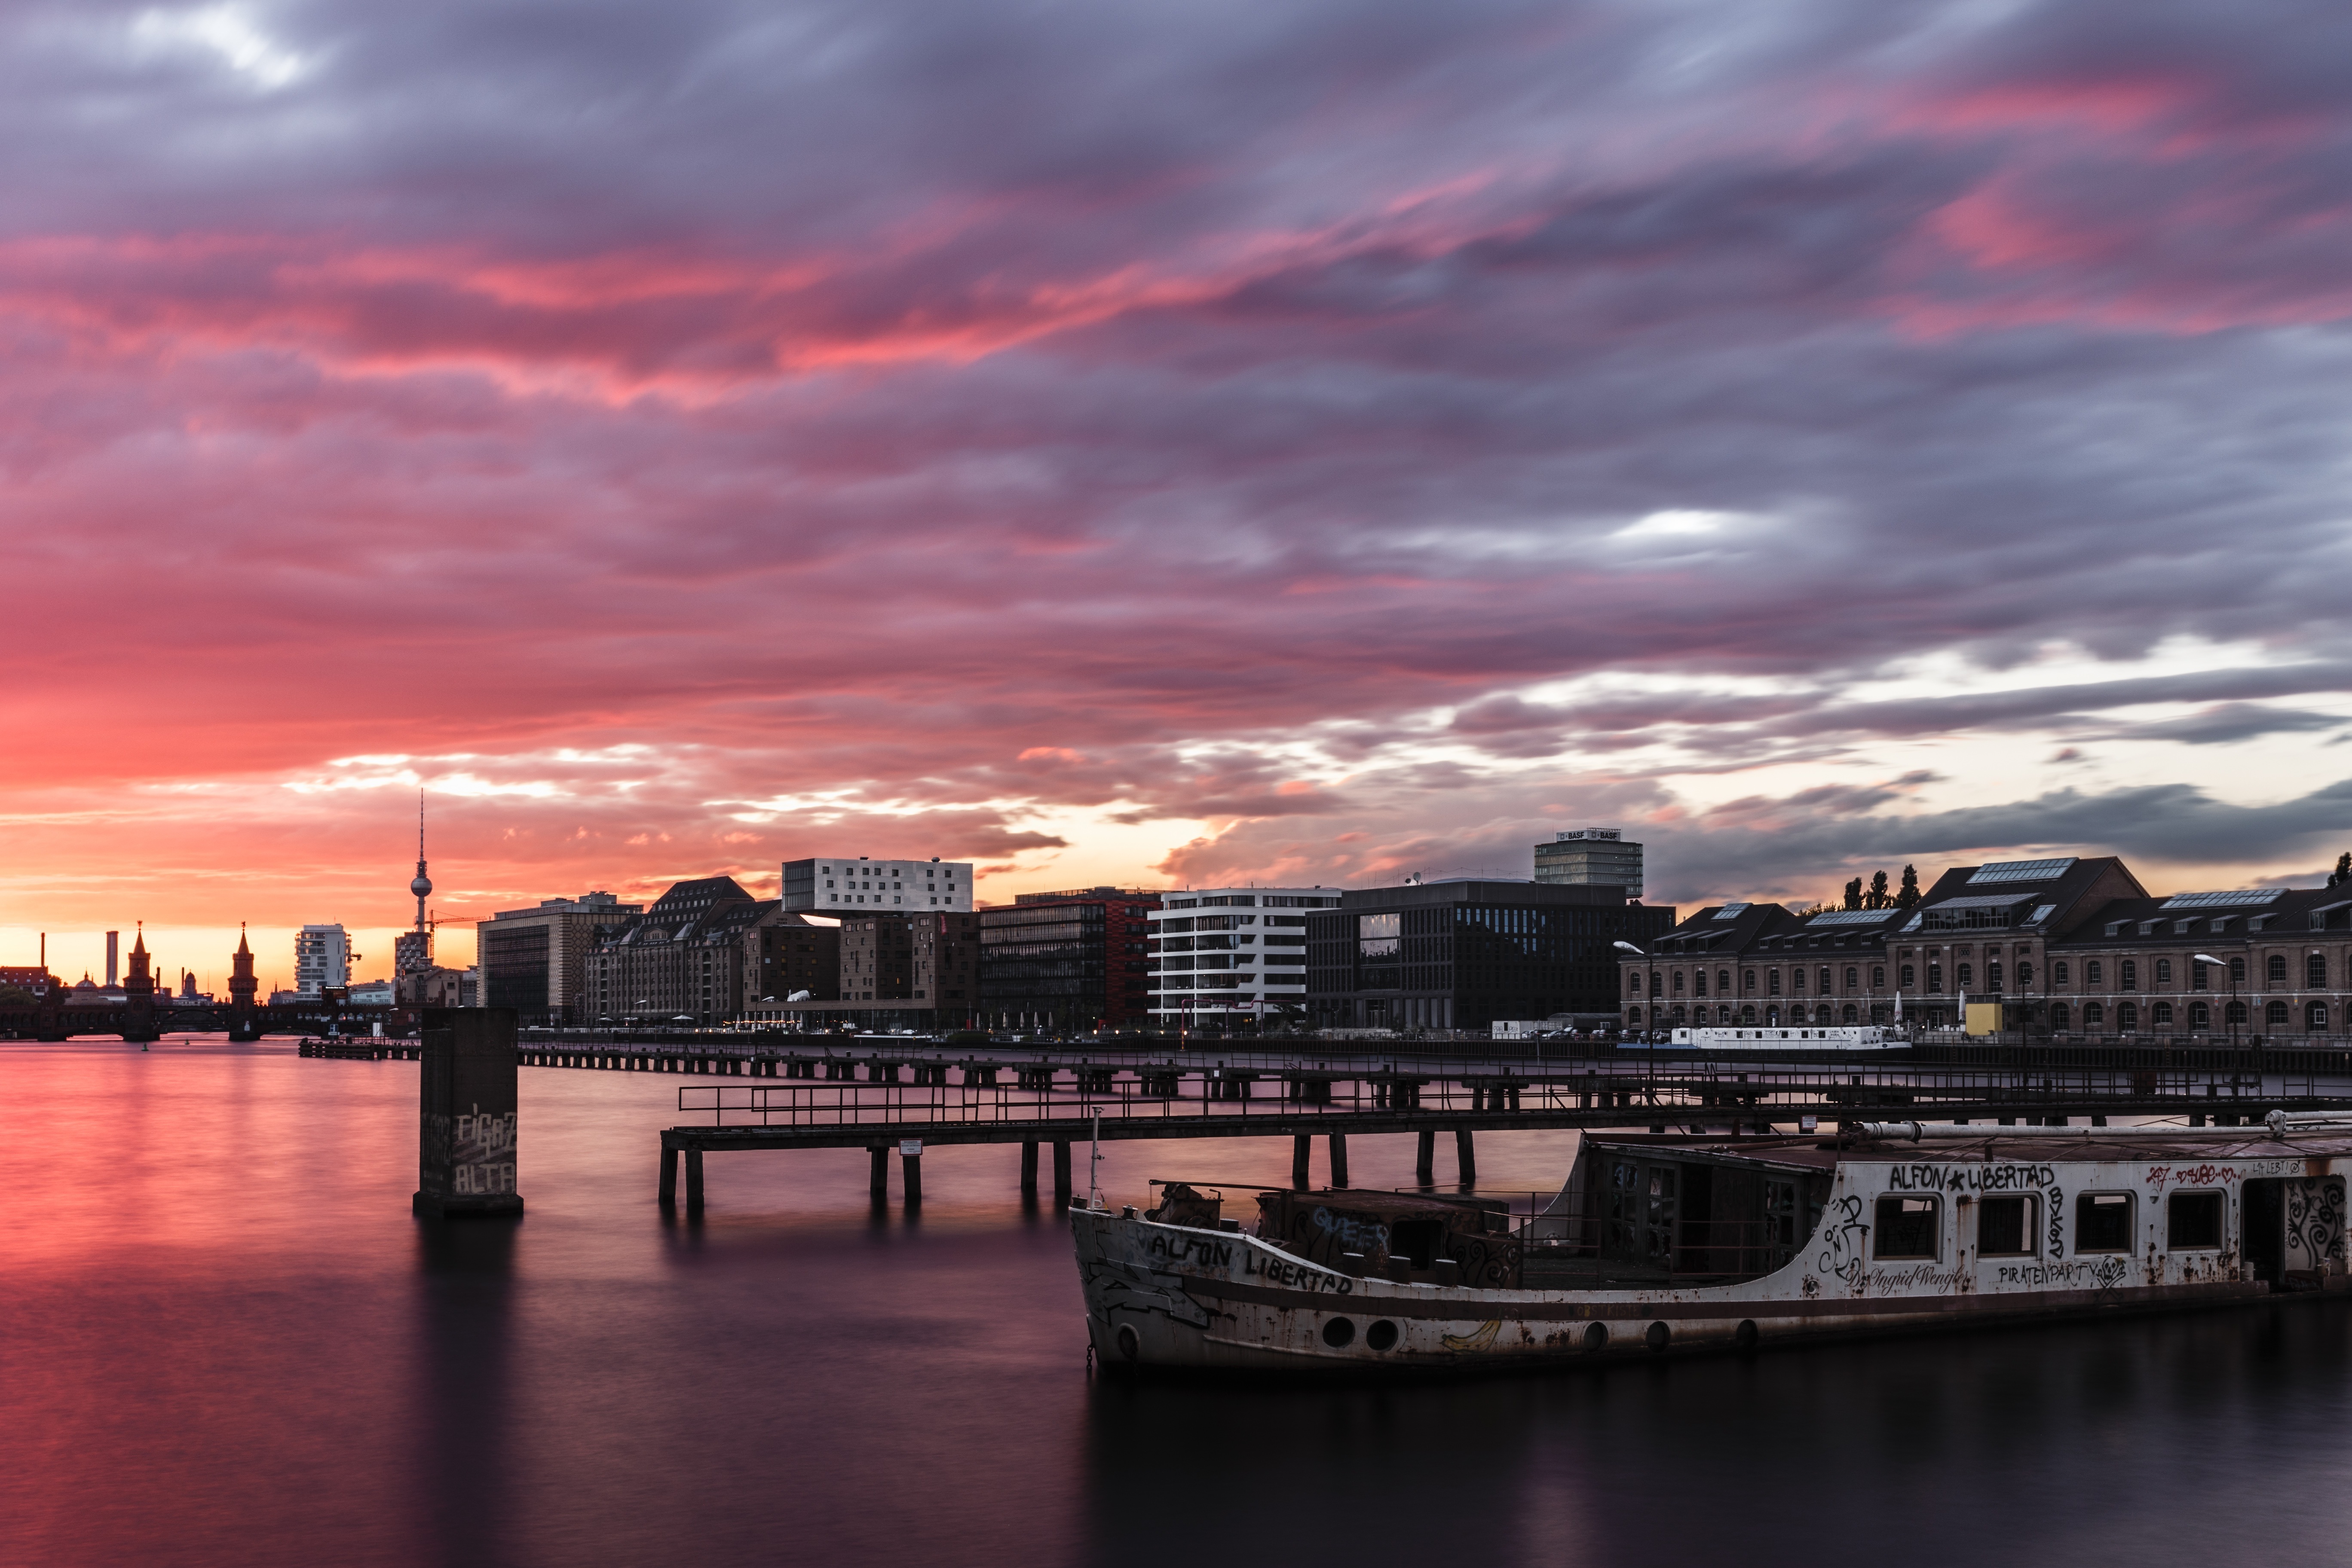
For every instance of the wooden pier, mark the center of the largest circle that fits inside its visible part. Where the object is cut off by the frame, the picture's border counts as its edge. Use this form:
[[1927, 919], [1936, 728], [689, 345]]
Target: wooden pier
[[885, 1115]]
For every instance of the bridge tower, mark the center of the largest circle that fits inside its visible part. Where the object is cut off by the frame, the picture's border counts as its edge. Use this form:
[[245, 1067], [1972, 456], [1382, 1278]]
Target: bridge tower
[[49, 1017], [139, 992], [243, 1022]]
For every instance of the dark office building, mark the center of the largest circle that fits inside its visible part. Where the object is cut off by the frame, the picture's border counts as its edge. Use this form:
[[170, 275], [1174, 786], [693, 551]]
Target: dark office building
[[789, 955], [931, 957], [1462, 955], [1067, 961]]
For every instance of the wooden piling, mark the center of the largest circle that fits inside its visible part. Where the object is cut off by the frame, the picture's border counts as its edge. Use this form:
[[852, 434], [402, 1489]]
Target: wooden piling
[[1339, 1159], [1029, 1166], [668, 1176], [1299, 1149], [1465, 1157], [1061, 1170], [693, 1181], [878, 1173], [911, 1167], [1424, 1158]]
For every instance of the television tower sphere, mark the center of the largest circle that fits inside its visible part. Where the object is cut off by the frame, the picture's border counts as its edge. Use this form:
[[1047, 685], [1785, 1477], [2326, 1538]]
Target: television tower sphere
[[421, 886]]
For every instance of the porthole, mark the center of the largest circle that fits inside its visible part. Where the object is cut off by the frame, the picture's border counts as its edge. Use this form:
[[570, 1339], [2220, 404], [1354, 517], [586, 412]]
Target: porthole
[[1340, 1333], [1596, 1337], [1659, 1336], [1381, 1336], [1747, 1335], [1131, 1343]]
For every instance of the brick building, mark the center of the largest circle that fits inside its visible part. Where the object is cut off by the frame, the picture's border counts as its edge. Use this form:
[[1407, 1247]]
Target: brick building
[[2071, 947]]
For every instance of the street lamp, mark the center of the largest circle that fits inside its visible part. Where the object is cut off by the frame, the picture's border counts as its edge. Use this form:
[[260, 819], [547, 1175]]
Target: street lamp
[[2208, 958], [1650, 1063]]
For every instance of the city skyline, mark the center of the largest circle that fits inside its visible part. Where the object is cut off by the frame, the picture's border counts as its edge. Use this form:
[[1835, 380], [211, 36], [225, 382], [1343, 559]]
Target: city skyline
[[1814, 439]]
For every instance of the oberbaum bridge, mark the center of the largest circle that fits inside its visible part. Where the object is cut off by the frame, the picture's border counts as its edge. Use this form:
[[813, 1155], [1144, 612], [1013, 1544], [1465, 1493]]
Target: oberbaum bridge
[[896, 1094]]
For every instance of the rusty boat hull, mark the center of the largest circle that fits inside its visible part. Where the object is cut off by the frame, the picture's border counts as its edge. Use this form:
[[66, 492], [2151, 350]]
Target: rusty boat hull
[[1940, 1229]]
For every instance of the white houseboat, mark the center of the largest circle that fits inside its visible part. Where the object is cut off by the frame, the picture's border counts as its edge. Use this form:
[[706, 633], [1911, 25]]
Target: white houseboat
[[1663, 1244]]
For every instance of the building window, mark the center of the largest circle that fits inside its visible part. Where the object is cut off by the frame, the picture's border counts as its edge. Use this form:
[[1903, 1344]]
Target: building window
[[1853, 978], [1698, 982], [2275, 968], [1936, 979], [2161, 1013], [1968, 976], [2058, 973], [2197, 978], [2315, 972], [1748, 980], [1910, 977], [1632, 982], [2102, 1223], [2091, 975], [2164, 972], [2314, 1019], [2128, 975], [1853, 1013], [1723, 982], [2005, 1227], [2193, 1222], [1992, 976], [1906, 1228], [2024, 975], [1825, 979], [1878, 977], [2237, 971], [1796, 978], [2093, 1014], [1678, 982], [2236, 1011], [2275, 1016], [2127, 1017], [2058, 1015]]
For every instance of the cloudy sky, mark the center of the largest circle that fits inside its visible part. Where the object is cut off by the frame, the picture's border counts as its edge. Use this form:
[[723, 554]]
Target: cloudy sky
[[1159, 444]]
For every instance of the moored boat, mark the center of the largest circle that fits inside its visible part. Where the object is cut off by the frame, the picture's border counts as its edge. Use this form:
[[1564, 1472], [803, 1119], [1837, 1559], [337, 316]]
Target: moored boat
[[1670, 1244]]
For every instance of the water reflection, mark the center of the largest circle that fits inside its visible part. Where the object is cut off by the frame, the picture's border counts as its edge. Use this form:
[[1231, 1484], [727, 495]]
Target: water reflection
[[466, 1408], [227, 1340]]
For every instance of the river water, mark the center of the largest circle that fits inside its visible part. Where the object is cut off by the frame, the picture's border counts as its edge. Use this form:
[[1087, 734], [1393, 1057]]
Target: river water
[[224, 1339]]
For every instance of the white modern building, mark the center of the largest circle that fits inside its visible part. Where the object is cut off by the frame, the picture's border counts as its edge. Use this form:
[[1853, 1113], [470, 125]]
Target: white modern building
[[863, 886], [1220, 954], [322, 957]]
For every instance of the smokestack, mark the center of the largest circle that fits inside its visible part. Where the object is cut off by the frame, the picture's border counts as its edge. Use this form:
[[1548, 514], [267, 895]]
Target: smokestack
[[113, 958]]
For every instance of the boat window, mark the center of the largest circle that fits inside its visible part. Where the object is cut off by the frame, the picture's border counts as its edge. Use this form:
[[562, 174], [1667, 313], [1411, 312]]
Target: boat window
[[2193, 1222], [2102, 1222], [2005, 1227], [1906, 1228]]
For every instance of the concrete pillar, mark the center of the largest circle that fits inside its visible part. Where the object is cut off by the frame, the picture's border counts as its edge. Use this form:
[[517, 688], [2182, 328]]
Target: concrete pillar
[[1029, 1165], [669, 1174], [1299, 1147], [1465, 1157], [877, 1181], [465, 1113], [912, 1166], [1339, 1159], [1062, 1169], [1424, 1158], [693, 1181]]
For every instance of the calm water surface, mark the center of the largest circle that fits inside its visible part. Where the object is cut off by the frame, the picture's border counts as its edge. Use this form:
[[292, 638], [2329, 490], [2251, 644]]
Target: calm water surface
[[223, 1339]]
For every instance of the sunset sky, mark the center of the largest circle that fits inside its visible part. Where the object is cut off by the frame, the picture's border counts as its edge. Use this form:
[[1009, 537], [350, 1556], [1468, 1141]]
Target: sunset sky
[[1159, 443]]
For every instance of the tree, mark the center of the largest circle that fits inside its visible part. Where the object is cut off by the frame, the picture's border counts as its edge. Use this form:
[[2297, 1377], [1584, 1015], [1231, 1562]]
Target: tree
[[1876, 899], [2343, 872], [1854, 894], [1908, 896]]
